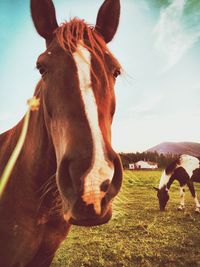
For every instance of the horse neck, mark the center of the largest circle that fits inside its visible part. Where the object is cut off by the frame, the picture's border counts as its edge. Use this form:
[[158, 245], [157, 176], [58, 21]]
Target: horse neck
[[36, 161], [38, 147]]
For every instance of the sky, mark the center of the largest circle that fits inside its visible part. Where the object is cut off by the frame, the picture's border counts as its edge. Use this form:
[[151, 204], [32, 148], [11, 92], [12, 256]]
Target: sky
[[158, 46]]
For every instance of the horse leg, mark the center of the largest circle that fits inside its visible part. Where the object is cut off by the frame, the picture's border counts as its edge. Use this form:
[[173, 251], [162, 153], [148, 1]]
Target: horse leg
[[182, 198], [197, 209], [192, 191], [55, 233]]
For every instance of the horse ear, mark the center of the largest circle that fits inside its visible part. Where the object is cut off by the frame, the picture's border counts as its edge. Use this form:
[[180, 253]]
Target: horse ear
[[157, 189], [108, 19], [44, 17]]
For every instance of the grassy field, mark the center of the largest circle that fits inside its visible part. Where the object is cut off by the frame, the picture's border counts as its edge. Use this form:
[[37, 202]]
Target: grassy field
[[138, 234]]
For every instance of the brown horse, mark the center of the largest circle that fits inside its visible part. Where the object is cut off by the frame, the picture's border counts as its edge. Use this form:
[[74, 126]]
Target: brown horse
[[67, 172]]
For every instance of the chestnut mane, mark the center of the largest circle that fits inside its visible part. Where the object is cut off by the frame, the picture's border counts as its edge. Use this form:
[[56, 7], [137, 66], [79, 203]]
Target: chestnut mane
[[75, 32]]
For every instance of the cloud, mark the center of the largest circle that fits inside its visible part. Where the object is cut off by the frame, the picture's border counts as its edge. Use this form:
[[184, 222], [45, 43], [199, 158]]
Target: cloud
[[4, 121], [139, 134], [4, 117], [173, 38], [148, 103], [8, 120], [196, 87], [143, 6]]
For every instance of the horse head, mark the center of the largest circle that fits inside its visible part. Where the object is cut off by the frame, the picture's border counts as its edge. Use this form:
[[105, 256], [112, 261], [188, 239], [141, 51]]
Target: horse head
[[77, 94], [163, 196]]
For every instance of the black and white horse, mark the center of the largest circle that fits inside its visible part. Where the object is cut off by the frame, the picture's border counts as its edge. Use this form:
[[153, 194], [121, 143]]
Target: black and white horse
[[186, 170]]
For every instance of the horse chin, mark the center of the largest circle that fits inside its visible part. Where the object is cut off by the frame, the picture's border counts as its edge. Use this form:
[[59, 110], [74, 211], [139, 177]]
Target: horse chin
[[162, 208], [91, 222]]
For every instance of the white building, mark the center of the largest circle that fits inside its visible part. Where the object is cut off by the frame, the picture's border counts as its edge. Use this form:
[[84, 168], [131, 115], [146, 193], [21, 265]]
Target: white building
[[143, 165]]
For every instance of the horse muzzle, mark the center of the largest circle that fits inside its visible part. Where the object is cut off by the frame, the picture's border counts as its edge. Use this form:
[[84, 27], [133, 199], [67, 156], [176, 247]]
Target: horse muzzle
[[92, 207]]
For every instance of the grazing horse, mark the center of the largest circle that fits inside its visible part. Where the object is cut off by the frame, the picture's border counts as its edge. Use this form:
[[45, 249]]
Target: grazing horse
[[67, 172], [186, 171]]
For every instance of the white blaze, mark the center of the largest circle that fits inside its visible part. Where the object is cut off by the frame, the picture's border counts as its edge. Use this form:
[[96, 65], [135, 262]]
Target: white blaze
[[101, 170]]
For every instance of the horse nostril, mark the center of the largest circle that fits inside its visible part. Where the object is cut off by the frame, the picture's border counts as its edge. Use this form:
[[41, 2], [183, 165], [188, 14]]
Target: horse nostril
[[105, 185]]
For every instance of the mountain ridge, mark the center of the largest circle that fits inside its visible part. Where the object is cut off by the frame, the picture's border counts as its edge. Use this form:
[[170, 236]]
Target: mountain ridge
[[190, 148]]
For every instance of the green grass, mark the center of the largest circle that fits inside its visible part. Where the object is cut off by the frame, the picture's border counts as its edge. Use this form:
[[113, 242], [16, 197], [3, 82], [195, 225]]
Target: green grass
[[138, 234]]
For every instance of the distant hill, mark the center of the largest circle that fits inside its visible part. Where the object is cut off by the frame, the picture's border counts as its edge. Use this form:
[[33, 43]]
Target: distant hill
[[190, 148]]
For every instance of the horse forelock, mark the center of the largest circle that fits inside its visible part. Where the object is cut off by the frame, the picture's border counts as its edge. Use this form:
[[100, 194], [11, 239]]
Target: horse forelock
[[71, 34]]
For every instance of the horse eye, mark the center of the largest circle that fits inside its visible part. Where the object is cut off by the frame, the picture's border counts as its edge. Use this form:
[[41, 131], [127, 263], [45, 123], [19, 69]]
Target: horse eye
[[41, 69], [116, 73]]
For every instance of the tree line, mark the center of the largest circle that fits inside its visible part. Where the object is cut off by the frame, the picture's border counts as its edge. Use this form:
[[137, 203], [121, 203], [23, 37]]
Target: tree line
[[161, 159]]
